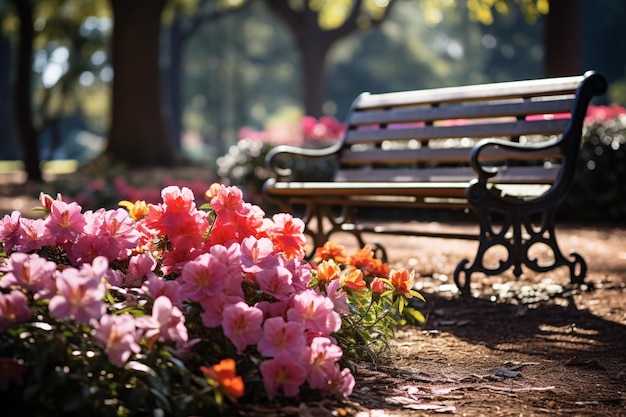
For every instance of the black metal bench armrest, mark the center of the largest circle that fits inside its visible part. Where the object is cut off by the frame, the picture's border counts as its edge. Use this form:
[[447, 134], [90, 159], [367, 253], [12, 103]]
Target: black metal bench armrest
[[271, 161], [486, 172], [569, 143]]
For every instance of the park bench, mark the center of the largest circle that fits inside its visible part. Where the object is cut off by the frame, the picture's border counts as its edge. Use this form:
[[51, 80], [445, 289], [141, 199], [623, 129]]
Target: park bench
[[506, 151]]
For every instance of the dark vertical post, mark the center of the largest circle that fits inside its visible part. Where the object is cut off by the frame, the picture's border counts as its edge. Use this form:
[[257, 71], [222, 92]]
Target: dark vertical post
[[563, 39]]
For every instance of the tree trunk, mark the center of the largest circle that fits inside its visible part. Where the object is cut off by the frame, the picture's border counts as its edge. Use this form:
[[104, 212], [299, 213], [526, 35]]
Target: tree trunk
[[562, 39], [173, 81], [313, 44], [7, 136], [28, 135], [313, 75], [137, 136]]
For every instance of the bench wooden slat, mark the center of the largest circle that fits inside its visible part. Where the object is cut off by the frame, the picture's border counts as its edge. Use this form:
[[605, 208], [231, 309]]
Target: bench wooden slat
[[386, 201], [441, 155], [376, 193], [350, 189], [514, 174], [517, 108], [527, 88], [481, 130]]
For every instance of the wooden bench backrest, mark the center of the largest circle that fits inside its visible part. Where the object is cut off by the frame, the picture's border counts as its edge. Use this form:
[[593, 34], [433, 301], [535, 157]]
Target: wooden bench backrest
[[390, 135]]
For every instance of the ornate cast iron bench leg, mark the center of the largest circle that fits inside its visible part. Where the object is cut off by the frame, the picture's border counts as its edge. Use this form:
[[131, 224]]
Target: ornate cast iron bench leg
[[517, 235]]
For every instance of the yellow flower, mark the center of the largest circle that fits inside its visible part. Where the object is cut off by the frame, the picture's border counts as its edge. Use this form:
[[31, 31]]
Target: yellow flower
[[328, 271], [136, 210]]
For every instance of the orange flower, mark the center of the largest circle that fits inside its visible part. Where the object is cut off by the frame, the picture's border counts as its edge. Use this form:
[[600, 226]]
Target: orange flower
[[224, 375], [328, 271], [136, 210], [330, 250], [378, 286], [353, 279], [364, 260], [379, 268], [402, 281]]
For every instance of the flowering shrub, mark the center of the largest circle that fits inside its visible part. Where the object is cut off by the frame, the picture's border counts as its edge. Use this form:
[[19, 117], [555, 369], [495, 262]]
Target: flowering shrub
[[598, 191], [102, 183], [176, 309], [244, 163]]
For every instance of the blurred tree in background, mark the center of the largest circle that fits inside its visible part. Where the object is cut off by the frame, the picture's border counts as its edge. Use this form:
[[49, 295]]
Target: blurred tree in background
[[226, 64], [47, 43], [315, 28], [138, 135]]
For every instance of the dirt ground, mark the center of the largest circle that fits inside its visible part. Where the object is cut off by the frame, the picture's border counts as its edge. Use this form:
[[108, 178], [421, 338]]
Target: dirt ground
[[527, 347], [517, 348]]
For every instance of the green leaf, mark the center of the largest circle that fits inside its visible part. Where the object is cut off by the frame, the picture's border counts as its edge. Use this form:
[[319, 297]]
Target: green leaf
[[415, 315], [400, 304], [418, 295]]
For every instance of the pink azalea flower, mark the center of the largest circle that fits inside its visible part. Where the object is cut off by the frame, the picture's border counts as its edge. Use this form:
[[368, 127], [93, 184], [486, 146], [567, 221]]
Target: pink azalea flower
[[46, 201], [87, 247], [247, 222], [338, 296], [230, 257], [79, 295], [113, 228], [240, 218], [114, 277], [315, 312], [177, 200], [185, 231], [119, 336], [274, 308], [257, 254], [228, 200], [174, 260], [33, 235], [118, 224], [340, 382], [203, 277], [31, 272], [275, 282], [140, 268], [178, 219], [156, 287], [213, 309], [300, 271], [242, 324], [167, 322], [13, 309], [288, 235], [282, 338], [283, 373], [93, 221], [96, 269], [66, 221], [120, 229], [323, 356], [10, 230]]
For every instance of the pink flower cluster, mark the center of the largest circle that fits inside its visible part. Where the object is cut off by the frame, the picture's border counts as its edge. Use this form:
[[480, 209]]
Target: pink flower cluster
[[597, 114], [310, 130], [325, 129], [245, 271], [120, 188]]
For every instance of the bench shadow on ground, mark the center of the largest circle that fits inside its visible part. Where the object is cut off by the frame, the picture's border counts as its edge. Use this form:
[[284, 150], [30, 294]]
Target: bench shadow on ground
[[559, 328]]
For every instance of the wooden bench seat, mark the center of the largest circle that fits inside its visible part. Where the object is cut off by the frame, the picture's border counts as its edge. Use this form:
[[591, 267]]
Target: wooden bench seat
[[503, 150]]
